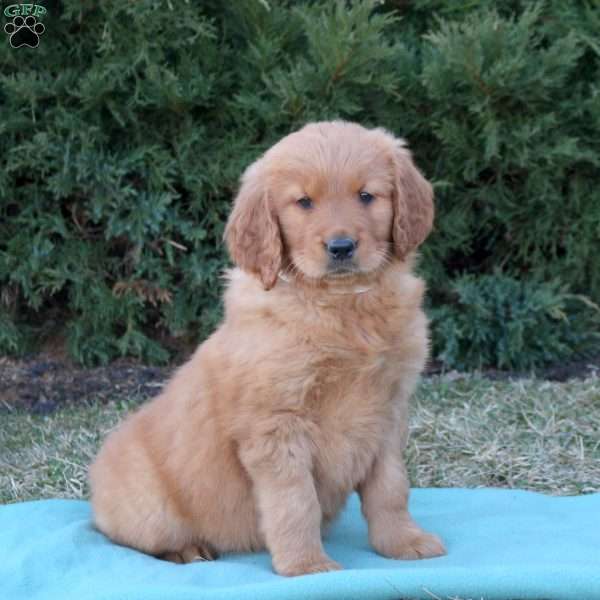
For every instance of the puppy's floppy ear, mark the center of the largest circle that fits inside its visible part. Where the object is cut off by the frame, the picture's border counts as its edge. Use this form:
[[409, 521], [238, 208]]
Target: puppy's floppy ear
[[252, 232], [413, 203]]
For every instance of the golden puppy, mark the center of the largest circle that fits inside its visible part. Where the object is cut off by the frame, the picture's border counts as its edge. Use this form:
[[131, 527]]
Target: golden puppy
[[300, 397]]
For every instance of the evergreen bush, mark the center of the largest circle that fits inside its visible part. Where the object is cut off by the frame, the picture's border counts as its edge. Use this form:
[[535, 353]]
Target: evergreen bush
[[124, 133], [512, 324]]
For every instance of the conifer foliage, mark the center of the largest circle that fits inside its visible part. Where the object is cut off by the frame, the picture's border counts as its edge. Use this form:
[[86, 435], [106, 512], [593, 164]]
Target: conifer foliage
[[124, 132]]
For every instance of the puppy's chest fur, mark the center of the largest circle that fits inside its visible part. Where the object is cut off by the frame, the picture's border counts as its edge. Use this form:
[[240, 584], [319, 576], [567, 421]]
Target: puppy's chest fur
[[359, 354], [352, 413], [339, 369]]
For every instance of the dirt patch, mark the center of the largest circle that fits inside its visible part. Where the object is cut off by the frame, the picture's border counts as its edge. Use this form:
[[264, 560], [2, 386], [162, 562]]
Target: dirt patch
[[43, 383], [575, 369]]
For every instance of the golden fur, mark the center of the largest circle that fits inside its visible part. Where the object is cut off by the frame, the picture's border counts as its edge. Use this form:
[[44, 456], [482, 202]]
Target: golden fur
[[300, 397]]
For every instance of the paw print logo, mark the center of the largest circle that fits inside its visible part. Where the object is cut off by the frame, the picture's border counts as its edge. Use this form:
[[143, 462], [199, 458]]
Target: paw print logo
[[24, 32]]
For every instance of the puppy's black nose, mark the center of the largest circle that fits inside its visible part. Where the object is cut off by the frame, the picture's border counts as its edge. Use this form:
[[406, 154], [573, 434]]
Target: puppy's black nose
[[341, 248]]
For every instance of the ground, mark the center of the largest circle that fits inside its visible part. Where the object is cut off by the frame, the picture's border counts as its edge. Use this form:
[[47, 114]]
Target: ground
[[46, 382], [466, 430]]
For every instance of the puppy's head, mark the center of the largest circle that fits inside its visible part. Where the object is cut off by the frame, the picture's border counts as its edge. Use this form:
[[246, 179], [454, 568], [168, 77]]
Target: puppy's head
[[331, 200]]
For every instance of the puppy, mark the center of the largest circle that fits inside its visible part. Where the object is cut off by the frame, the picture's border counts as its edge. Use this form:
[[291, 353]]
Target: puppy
[[300, 397]]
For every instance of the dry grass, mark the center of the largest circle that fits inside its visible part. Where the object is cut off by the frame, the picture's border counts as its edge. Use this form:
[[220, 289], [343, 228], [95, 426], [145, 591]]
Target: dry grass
[[466, 432], [528, 434], [47, 456]]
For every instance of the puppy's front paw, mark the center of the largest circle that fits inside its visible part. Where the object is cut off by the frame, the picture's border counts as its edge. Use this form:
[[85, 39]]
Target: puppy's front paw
[[410, 543], [321, 565]]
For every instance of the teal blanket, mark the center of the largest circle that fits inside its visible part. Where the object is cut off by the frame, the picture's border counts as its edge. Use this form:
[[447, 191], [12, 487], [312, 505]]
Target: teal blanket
[[501, 544]]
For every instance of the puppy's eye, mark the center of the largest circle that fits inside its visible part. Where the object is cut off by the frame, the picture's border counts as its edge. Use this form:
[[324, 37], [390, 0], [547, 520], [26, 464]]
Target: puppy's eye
[[305, 202], [366, 198]]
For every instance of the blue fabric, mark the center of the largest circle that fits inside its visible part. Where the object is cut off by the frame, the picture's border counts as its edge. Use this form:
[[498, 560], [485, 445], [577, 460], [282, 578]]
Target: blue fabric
[[501, 544]]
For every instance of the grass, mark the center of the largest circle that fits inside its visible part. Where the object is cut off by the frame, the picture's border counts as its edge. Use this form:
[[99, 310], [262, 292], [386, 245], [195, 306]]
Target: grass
[[529, 434], [48, 456], [466, 432]]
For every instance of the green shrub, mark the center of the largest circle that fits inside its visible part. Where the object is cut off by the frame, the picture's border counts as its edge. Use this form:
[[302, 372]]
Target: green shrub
[[514, 126], [124, 134], [495, 320]]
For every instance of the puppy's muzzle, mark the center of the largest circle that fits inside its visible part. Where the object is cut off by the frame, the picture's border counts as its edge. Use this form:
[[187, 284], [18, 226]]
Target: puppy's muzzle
[[340, 249]]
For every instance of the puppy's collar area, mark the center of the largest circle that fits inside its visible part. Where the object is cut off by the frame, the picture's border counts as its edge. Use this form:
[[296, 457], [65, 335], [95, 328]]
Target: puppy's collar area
[[356, 289]]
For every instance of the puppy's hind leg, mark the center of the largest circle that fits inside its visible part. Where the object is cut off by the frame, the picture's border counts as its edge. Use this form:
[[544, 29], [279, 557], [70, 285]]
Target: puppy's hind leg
[[135, 509], [191, 553]]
